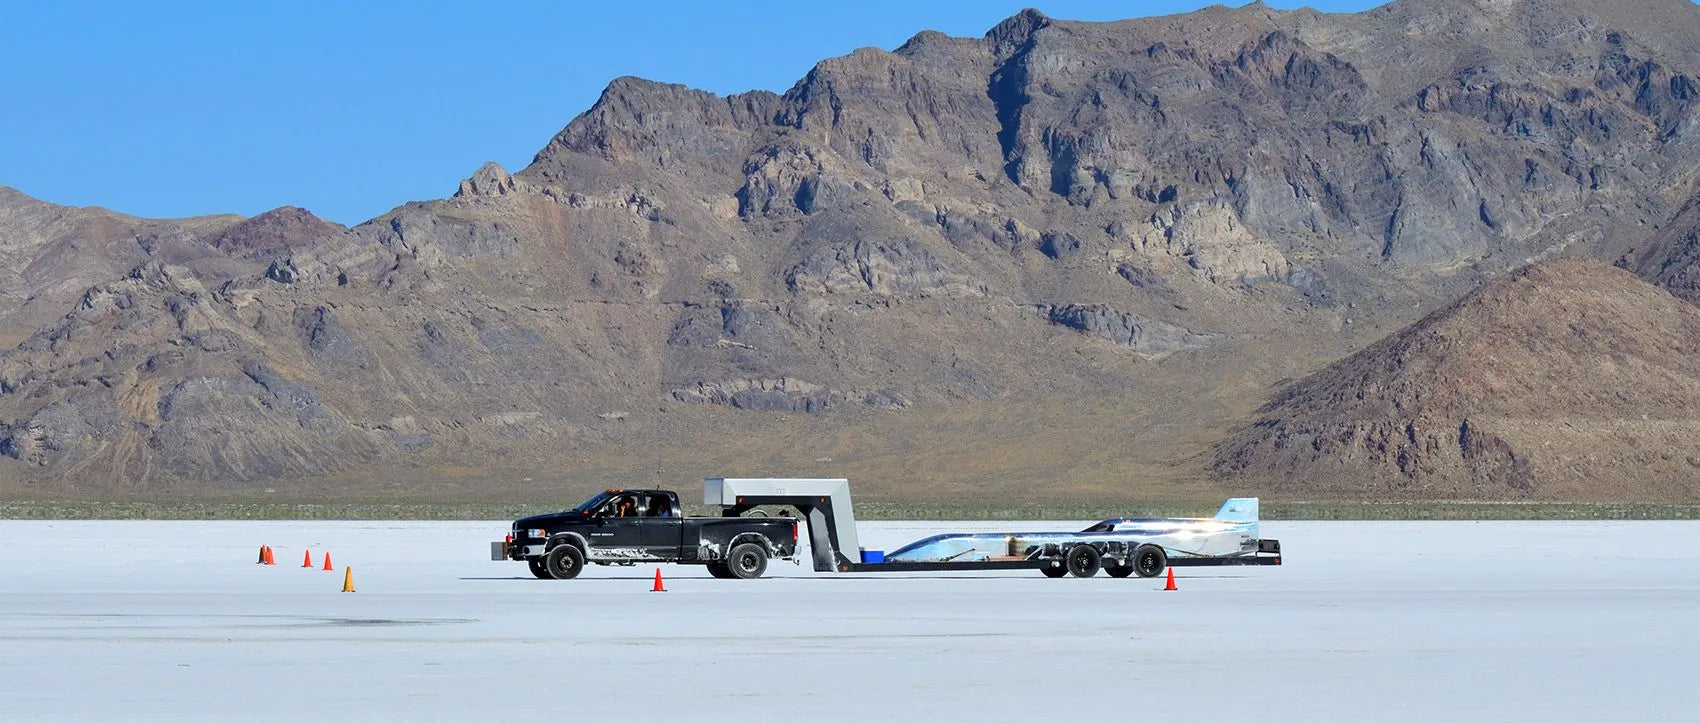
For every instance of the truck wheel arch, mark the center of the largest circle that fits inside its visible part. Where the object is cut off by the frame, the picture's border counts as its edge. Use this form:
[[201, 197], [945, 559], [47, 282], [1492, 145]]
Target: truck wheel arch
[[567, 538], [755, 537]]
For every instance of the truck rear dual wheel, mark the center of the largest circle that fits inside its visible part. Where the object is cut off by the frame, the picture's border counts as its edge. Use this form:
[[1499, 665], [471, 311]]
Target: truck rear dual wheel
[[720, 570], [1118, 570], [1054, 570], [564, 562], [747, 561]]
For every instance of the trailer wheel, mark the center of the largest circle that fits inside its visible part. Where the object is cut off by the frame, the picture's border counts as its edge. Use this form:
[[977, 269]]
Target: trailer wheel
[[564, 562], [1084, 561], [1054, 570], [1149, 560], [720, 570], [747, 561], [538, 569], [1118, 570]]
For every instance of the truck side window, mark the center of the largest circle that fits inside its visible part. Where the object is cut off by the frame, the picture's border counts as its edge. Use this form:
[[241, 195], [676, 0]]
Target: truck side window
[[658, 506]]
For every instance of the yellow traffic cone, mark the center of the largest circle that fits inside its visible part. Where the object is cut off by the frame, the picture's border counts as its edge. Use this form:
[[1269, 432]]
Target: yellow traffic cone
[[348, 579]]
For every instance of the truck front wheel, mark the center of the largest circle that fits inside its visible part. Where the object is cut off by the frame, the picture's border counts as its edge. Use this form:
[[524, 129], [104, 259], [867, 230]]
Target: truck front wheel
[[538, 569], [564, 562], [747, 561]]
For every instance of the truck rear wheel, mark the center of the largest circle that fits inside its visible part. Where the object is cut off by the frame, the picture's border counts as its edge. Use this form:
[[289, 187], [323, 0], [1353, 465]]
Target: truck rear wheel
[[1149, 560], [1118, 570], [1054, 570], [747, 561], [564, 562], [538, 569], [720, 570], [1084, 561]]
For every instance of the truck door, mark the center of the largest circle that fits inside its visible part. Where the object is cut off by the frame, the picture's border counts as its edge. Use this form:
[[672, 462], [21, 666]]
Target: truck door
[[617, 534], [663, 531]]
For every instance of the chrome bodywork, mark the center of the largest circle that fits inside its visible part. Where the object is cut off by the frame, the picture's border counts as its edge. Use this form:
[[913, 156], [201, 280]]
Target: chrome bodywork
[[1233, 531]]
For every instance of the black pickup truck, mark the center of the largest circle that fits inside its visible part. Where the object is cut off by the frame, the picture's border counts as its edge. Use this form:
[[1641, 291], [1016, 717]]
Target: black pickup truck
[[627, 527]]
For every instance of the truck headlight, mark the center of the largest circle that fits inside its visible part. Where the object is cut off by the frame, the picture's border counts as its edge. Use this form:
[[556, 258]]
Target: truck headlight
[[537, 534]]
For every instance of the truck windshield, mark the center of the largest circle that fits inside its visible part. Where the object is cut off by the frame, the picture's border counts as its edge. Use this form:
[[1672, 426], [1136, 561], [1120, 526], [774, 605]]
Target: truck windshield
[[591, 504]]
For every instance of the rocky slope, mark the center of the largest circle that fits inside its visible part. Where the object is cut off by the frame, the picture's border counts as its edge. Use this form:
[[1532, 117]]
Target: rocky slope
[[1070, 252], [1565, 379]]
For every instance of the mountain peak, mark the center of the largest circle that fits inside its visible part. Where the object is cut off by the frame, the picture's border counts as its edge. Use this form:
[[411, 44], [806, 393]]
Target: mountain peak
[[275, 230], [1017, 29]]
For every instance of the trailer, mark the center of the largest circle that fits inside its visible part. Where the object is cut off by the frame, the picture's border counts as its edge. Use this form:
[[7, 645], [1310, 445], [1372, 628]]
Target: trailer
[[1120, 546]]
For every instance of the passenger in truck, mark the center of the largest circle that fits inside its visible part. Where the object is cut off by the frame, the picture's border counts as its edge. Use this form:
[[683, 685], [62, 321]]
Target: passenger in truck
[[659, 507]]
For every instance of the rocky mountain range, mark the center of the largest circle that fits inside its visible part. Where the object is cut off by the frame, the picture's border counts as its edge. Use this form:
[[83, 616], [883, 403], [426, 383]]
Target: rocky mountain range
[[1162, 257]]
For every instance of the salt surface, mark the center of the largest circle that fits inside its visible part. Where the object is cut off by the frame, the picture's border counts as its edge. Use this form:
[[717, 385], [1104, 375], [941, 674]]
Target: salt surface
[[1366, 621]]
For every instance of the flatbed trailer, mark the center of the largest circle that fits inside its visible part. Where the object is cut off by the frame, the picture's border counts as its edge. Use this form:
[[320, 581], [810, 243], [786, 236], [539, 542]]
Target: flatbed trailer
[[826, 506], [1039, 564]]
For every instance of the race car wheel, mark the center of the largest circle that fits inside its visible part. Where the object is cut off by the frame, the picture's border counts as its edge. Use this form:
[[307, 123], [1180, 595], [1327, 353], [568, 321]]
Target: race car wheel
[[538, 569], [720, 570], [1118, 570], [747, 561], [1084, 561], [564, 562], [1149, 560], [1054, 570]]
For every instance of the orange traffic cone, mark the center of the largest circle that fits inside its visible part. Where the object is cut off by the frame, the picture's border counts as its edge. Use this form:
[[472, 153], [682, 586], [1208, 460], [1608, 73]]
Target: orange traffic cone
[[328, 567], [658, 587], [348, 580], [267, 552], [262, 559], [1170, 585], [306, 558]]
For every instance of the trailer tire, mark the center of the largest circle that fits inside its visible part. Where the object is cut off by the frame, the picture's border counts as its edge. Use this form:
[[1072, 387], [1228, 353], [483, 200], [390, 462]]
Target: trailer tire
[[1084, 561], [747, 561], [1149, 560], [1054, 571], [1118, 570], [538, 569], [564, 562], [719, 570]]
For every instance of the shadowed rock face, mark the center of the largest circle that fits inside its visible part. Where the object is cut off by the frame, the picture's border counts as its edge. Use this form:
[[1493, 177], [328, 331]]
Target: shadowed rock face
[[1550, 381], [767, 280]]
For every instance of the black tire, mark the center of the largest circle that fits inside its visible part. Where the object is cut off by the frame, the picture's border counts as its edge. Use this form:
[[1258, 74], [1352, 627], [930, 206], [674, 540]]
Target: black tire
[[1054, 570], [1118, 570], [538, 569], [720, 570], [747, 561], [1149, 561], [564, 562], [1084, 561]]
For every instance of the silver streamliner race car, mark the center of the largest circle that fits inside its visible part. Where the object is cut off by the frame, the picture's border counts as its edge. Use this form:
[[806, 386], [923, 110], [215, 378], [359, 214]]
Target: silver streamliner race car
[[1126, 545]]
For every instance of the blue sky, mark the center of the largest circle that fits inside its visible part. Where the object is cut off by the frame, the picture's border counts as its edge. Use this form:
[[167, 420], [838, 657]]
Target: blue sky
[[351, 108]]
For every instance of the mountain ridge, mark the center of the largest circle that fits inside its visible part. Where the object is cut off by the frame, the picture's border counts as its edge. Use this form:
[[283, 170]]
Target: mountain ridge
[[1056, 229]]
